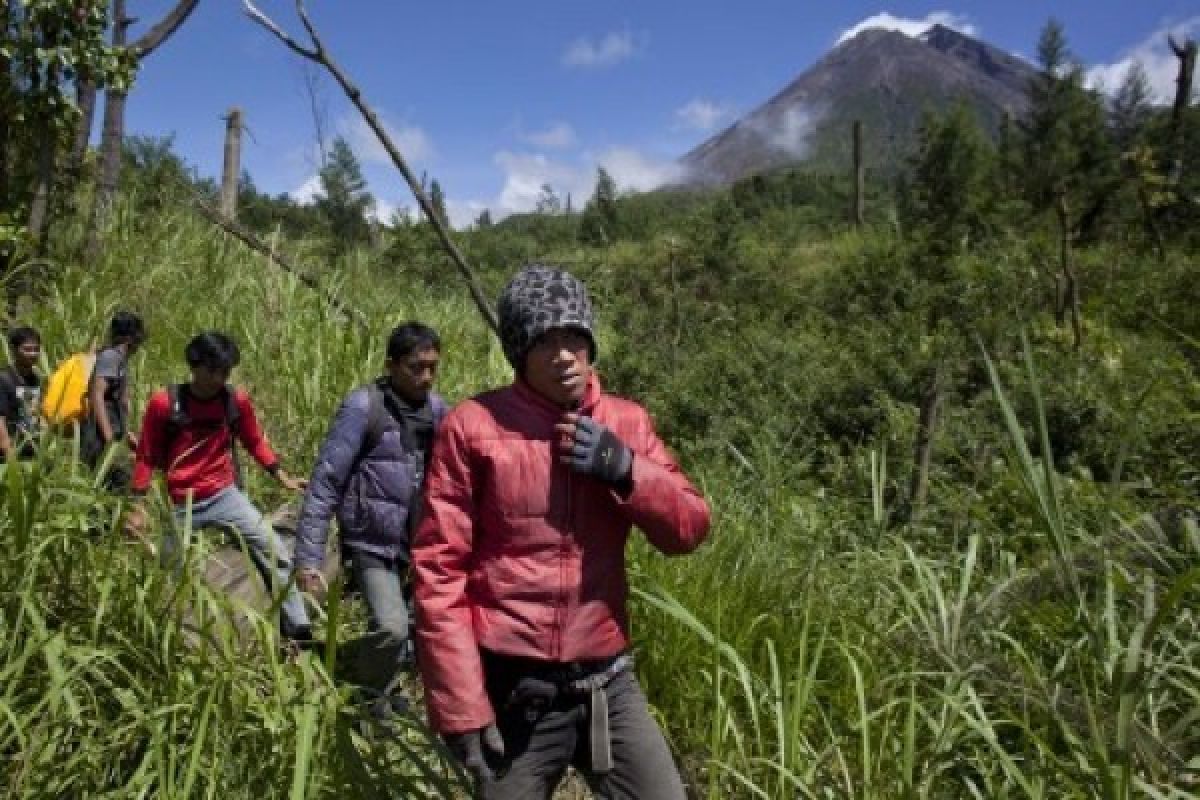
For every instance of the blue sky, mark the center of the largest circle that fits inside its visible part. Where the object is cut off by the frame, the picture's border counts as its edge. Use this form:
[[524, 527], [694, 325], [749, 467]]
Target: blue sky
[[496, 98]]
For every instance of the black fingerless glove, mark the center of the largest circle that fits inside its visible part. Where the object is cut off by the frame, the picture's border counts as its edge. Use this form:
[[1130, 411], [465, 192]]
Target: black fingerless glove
[[598, 452]]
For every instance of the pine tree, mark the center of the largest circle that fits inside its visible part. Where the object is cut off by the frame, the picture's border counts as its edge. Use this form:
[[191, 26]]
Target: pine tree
[[344, 200], [1073, 166], [600, 216], [950, 177], [548, 201], [438, 200], [1066, 142], [1131, 109]]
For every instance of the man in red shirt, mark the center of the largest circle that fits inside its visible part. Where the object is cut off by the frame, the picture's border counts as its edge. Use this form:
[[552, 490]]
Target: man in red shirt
[[189, 432], [531, 494]]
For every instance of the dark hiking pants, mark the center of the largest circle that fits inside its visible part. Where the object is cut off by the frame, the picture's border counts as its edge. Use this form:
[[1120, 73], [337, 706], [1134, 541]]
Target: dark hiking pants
[[539, 745]]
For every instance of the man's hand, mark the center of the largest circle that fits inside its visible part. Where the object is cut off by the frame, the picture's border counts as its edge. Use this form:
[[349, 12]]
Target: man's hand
[[588, 447], [470, 749], [310, 581], [290, 483], [135, 521], [132, 440]]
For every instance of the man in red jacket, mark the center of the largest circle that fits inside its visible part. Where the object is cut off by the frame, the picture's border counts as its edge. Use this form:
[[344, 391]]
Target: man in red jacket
[[519, 562], [189, 432]]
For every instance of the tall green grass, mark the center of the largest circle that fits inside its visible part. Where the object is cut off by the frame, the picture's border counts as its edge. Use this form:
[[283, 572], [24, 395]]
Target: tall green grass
[[1046, 647], [119, 679], [804, 656]]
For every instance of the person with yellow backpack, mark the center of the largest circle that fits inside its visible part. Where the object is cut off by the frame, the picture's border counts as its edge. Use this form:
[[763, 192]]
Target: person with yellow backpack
[[64, 401], [89, 393]]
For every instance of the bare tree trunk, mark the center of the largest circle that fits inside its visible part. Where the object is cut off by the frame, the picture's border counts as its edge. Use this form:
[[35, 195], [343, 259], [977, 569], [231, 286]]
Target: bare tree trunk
[[39, 204], [927, 423], [7, 101], [1060, 300], [860, 179], [1070, 279], [85, 98], [1186, 53], [113, 132], [232, 170], [43, 186]]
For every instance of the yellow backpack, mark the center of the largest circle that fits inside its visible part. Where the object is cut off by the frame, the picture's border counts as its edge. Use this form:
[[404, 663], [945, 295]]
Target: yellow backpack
[[65, 400]]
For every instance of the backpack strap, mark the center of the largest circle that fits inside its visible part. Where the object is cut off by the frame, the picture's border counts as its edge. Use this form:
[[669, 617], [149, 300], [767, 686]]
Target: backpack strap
[[377, 420], [177, 417], [233, 421]]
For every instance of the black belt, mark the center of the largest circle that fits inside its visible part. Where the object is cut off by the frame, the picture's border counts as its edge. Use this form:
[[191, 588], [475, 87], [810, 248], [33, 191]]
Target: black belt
[[538, 684]]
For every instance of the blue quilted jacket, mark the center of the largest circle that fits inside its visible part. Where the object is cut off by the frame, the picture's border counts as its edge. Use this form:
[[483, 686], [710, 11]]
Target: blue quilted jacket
[[370, 493]]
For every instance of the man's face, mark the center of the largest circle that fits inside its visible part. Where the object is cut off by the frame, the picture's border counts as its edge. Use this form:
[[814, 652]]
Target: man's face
[[27, 354], [412, 376], [558, 366], [207, 381]]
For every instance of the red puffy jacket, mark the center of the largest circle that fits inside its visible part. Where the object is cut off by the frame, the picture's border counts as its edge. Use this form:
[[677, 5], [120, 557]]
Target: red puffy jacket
[[522, 556]]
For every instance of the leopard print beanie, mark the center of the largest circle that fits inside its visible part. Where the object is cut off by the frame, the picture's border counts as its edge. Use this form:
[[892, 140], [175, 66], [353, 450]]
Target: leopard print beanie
[[538, 298]]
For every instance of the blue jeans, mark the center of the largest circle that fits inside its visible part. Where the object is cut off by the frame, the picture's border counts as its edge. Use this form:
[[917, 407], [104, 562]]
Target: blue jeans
[[230, 510], [388, 647]]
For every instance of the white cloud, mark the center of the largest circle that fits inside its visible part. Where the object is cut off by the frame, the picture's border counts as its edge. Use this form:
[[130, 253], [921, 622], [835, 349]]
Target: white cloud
[[462, 214], [910, 26], [383, 211], [701, 115], [558, 136], [631, 169], [613, 48], [1156, 57], [526, 173], [791, 133], [414, 143], [308, 191]]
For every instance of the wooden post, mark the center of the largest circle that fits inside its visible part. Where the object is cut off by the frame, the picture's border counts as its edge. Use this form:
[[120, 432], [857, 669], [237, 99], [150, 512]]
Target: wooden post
[[1186, 53], [860, 180], [233, 164]]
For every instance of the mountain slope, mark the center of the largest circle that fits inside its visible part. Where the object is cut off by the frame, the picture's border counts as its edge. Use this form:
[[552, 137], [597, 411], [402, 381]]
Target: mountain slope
[[884, 78]]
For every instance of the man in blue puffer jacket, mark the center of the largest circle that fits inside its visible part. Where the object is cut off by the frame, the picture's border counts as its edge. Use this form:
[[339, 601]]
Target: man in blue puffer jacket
[[369, 472]]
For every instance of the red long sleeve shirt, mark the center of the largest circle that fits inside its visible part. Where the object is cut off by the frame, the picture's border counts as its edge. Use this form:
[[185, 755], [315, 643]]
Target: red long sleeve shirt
[[198, 459]]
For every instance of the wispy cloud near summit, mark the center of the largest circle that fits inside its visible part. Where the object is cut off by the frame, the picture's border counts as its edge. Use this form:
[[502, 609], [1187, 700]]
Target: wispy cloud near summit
[[910, 26], [701, 115]]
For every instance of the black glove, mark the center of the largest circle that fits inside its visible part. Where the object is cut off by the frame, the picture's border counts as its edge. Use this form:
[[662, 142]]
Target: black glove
[[597, 451], [469, 749]]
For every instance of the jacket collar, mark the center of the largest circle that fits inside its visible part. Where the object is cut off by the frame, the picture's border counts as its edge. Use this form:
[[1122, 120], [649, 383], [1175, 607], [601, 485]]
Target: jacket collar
[[591, 396]]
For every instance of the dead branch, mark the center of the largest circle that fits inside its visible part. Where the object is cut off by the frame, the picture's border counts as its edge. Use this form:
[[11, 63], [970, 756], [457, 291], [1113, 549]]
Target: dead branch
[[318, 54], [165, 27], [254, 243]]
